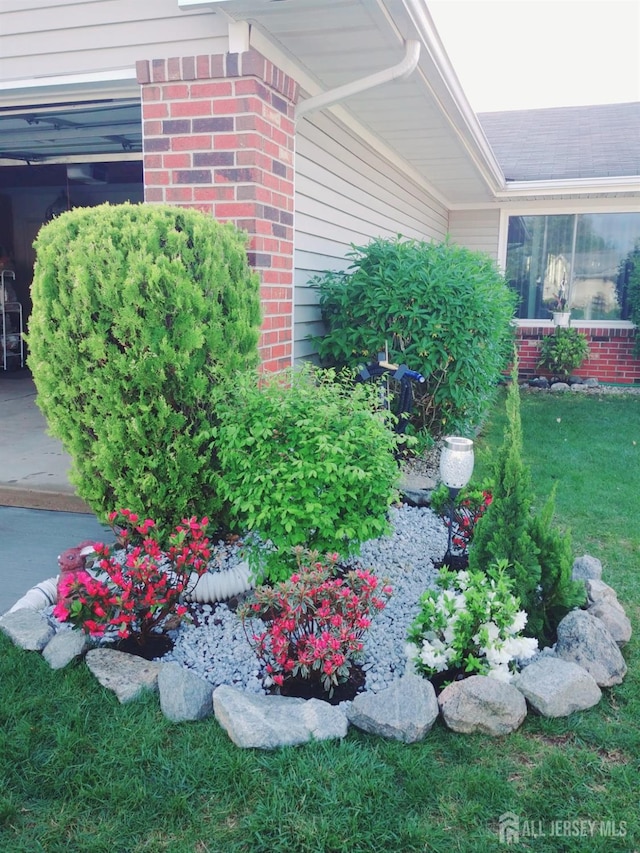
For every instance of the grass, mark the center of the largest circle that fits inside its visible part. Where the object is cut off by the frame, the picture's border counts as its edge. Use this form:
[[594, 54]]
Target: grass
[[80, 772]]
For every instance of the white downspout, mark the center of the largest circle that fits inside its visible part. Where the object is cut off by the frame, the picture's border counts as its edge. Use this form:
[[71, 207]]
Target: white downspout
[[400, 71]]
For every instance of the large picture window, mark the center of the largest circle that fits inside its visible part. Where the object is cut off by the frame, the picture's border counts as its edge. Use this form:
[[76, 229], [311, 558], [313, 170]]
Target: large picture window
[[576, 262]]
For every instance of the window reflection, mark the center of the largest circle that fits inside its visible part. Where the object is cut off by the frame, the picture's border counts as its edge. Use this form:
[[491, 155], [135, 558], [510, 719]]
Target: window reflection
[[576, 262]]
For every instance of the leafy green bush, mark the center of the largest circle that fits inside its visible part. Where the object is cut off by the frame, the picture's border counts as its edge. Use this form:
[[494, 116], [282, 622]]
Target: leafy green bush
[[138, 311], [537, 556], [442, 309], [305, 460], [563, 351]]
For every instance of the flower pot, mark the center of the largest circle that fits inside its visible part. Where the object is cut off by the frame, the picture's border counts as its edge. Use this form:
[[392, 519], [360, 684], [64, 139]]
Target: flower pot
[[561, 318]]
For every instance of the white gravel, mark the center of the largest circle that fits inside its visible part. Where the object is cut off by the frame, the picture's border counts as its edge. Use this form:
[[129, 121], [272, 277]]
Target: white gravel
[[217, 650]]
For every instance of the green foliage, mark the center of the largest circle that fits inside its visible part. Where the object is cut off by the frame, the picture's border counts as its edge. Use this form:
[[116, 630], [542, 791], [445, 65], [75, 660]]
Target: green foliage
[[558, 592], [306, 461], [539, 558], [70, 751], [563, 351], [503, 531], [442, 309], [138, 312]]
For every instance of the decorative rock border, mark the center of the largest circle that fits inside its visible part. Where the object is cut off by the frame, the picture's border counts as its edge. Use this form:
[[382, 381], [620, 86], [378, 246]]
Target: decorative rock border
[[557, 683]]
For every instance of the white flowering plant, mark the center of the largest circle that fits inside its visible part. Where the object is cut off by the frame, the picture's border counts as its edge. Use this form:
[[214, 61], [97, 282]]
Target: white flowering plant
[[472, 624]]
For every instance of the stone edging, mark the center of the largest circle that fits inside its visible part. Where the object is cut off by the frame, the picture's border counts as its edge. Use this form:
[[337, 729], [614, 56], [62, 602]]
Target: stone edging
[[558, 682]]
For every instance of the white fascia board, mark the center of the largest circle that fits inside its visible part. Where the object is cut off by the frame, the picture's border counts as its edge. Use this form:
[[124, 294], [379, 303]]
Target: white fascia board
[[198, 4], [119, 83], [575, 186], [470, 133]]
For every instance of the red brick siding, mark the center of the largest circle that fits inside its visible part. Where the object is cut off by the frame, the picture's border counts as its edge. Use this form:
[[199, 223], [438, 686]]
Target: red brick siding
[[219, 136], [610, 360]]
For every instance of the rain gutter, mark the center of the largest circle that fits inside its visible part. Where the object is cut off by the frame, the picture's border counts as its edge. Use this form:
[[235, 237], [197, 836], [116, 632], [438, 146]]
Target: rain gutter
[[400, 71]]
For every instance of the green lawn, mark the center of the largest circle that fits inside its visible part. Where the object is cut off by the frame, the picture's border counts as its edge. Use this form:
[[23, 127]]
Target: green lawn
[[79, 772]]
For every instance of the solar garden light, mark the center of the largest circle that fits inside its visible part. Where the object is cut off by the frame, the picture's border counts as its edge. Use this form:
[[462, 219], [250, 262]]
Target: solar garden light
[[456, 467]]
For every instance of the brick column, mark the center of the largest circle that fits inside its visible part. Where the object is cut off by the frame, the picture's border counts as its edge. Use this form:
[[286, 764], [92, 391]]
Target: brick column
[[218, 135]]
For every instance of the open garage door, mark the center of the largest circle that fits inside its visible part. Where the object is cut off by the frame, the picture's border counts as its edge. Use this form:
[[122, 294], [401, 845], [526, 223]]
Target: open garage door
[[57, 152]]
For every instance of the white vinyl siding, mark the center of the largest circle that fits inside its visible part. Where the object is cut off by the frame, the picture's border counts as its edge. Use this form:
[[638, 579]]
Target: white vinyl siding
[[477, 230], [346, 193], [52, 37]]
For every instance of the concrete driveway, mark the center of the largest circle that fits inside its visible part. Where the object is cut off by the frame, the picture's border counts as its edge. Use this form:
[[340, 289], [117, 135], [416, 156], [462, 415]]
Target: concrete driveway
[[40, 514]]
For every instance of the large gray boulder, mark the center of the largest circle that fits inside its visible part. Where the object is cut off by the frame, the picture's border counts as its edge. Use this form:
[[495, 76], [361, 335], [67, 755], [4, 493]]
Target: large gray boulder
[[598, 591], [584, 639], [127, 675], [268, 722], [556, 688], [183, 696], [586, 568], [406, 711], [26, 628], [611, 613], [64, 647], [482, 704]]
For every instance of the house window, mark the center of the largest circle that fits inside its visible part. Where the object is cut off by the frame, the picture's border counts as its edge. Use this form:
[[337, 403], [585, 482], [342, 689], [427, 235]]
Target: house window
[[579, 262]]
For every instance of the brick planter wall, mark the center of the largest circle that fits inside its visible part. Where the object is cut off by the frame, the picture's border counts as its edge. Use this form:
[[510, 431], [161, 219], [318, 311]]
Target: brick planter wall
[[610, 359], [218, 135]]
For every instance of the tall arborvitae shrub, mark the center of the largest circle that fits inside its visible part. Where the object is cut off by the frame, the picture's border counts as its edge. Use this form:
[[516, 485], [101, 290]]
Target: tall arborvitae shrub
[[538, 556], [139, 311], [503, 532], [442, 309], [558, 593]]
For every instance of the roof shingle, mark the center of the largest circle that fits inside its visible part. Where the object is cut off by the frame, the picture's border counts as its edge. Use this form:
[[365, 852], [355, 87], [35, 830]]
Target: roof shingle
[[566, 142]]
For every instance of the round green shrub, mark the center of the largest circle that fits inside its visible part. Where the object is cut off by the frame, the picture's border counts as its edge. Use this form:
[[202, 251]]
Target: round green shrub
[[306, 461], [563, 351], [442, 309], [139, 311]]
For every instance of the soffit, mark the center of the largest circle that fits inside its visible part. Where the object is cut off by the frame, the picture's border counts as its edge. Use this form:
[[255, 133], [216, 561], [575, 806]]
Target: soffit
[[334, 42]]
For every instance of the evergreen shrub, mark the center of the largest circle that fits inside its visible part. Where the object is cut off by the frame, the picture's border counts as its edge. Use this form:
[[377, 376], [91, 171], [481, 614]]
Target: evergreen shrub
[[442, 309], [538, 556], [139, 311], [306, 461]]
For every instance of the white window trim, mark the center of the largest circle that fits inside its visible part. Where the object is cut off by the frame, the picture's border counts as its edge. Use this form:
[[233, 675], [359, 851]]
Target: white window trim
[[570, 207]]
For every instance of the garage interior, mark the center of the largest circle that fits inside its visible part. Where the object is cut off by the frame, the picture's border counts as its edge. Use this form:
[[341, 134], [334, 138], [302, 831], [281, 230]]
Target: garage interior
[[53, 157]]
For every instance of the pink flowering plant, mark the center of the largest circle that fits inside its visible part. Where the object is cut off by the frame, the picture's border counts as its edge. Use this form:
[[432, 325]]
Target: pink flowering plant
[[134, 586], [314, 621], [470, 505]]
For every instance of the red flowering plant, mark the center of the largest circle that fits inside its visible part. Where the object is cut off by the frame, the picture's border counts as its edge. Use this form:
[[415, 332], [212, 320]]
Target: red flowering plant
[[315, 621], [470, 505], [134, 586]]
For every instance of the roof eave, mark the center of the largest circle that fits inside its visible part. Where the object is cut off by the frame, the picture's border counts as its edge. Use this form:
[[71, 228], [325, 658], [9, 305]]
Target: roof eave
[[627, 184], [458, 110]]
